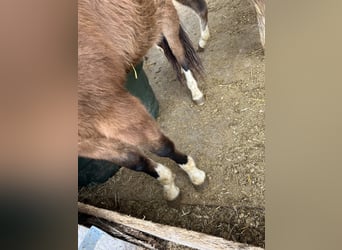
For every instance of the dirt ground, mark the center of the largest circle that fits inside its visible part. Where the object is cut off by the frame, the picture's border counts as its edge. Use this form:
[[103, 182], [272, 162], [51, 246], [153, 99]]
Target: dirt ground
[[225, 136]]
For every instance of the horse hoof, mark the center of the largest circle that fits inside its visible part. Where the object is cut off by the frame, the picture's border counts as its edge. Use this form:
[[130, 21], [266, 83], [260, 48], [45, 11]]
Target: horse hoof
[[172, 193], [199, 101], [198, 178], [202, 43], [200, 49], [201, 187], [176, 202]]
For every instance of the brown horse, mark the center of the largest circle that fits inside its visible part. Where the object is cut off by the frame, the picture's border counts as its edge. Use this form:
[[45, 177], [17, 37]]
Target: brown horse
[[112, 124]]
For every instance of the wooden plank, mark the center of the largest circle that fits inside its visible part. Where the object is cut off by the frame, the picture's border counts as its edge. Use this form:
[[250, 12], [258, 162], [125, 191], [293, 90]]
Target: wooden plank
[[174, 234]]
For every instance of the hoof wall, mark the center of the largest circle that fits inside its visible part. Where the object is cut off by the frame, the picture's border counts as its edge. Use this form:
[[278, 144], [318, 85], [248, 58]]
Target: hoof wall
[[199, 101], [202, 186]]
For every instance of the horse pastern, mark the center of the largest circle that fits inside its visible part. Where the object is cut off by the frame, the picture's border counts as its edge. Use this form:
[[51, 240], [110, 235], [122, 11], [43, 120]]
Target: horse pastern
[[205, 34]]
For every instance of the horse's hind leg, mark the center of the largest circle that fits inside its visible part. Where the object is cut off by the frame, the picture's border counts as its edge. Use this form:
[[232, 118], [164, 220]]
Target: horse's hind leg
[[132, 158], [201, 9], [177, 47], [166, 148], [197, 95]]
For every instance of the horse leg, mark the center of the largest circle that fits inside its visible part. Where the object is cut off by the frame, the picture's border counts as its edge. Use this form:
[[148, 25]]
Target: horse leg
[[197, 95], [164, 147], [130, 157], [175, 38], [201, 9]]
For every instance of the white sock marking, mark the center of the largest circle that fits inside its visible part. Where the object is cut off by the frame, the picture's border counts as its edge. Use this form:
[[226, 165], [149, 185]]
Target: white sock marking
[[196, 175], [205, 35], [166, 178], [192, 85]]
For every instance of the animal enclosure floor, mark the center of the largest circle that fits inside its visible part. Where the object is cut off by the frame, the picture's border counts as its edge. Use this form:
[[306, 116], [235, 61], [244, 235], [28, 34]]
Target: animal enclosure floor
[[225, 136]]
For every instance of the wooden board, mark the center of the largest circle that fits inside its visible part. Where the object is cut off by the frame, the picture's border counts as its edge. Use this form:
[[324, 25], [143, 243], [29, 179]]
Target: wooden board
[[174, 234]]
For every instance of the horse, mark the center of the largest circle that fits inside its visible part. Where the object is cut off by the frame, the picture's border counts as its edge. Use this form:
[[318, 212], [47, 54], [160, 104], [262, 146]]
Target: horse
[[185, 61], [201, 9], [114, 125]]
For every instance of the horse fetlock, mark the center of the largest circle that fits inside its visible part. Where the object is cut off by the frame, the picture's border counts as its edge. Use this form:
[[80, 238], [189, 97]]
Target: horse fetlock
[[166, 177], [196, 175], [167, 180]]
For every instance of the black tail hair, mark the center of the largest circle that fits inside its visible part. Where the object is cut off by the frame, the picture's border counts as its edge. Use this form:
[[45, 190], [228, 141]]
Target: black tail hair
[[192, 59]]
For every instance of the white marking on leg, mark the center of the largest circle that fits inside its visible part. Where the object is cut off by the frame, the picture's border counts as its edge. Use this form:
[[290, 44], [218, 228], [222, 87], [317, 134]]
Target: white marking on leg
[[196, 175], [160, 49], [166, 178], [197, 95], [205, 35]]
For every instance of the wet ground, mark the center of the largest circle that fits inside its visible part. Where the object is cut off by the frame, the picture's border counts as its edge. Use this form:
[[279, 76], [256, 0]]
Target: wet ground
[[225, 136]]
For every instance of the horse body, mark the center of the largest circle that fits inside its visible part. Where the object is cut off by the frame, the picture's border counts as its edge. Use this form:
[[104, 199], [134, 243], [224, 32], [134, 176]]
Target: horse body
[[112, 124]]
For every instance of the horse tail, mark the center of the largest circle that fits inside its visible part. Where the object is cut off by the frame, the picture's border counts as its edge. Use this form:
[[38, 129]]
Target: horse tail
[[193, 62]]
